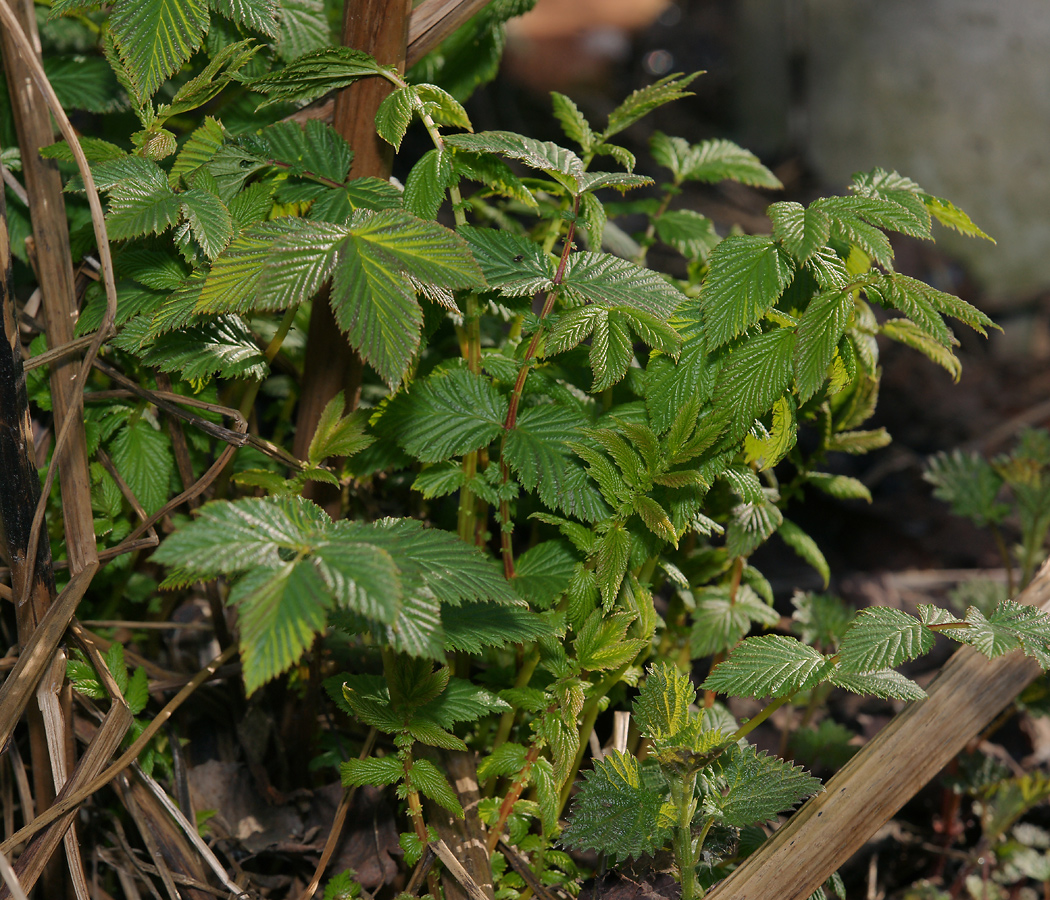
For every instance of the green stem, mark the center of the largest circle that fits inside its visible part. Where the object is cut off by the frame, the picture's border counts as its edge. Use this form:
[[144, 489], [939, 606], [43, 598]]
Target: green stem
[[683, 796], [590, 716], [271, 351], [753, 723], [650, 232], [506, 722]]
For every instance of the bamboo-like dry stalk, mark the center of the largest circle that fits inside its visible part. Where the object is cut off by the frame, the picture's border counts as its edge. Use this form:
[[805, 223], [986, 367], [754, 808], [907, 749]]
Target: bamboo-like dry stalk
[[966, 696]]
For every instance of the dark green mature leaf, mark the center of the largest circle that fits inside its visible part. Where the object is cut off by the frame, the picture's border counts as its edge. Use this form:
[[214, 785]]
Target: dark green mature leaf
[[309, 77], [758, 788], [447, 414], [573, 122], [395, 114], [209, 220], [143, 457], [542, 573], [614, 553], [536, 448], [608, 281], [805, 547], [155, 37], [561, 164], [258, 15], [510, 263], [427, 183], [644, 100], [280, 612], [302, 28], [472, 627], [140, 201], [771, 665], [819, 329], [462, 701], [754, 376], [946, 304], [222, 346], [849, 223], [747, 275], [888, 684], [233, 284], [801, 231], [84, 82], [615, 811], [882, 638]]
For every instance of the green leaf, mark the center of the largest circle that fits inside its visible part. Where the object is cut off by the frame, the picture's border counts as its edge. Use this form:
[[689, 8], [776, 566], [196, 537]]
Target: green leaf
[[302, 28], [711, 161], [690, 233], [771, 665], [506, 759], [360, 576], [969, 483], [143, 457], [946, 304], [439, 480], [610, 282], [1013, 626], [611, 350], [280, 612], [231, 537], [602, 642], [199, 149], [644, 100], [719, 623], [377, 771], [426, 732], [561, 164], [156, 37], [537, 451], [222, 346], [573, 122], [209, 220], [615, 811], [655, 518], [117, 666], [613, 552], [462, 701], [887, 684], [805, 547], [258, 15], [754, 376], [447, 414], [140, 201], [542, 573], [849, 223], [510, 263], [492, 172], [233, 283], [758, 788], [903, 208], [309, 77], [661, 710], [428, 780], [84, 82], [372, 299], [427, 183], [841, 487], [336, 434], [801, 231], [820, 328], [473, 627], [949, 215], [858, 441], [882, 638], [767, 451], [221, 69], [906, 332], [747, 275], [395, 114], [136, 694]]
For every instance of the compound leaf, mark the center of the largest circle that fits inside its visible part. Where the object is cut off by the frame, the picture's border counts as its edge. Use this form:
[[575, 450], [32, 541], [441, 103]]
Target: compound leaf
[[881, 638], [770, 665]]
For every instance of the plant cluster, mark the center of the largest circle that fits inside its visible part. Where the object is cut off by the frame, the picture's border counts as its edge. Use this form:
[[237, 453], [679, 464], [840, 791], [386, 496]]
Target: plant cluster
[[563, 460]]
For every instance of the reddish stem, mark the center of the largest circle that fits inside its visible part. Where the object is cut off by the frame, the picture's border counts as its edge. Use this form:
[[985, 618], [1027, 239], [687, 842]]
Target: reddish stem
[[506, 527], [513, 795]]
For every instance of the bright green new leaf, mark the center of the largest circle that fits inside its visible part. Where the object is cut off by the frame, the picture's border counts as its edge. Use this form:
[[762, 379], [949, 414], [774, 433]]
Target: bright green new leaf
[[765, 452], [602, 642], [820, 328], [771, 665], [395, 114], [1013, 626], [573, 122], [711, 161], [613, 552], [644, 100], [881, 638], [841, 487], [906, 332], [338, 435], [949, 215], [662, 708], [426, 778], [901, 200]]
